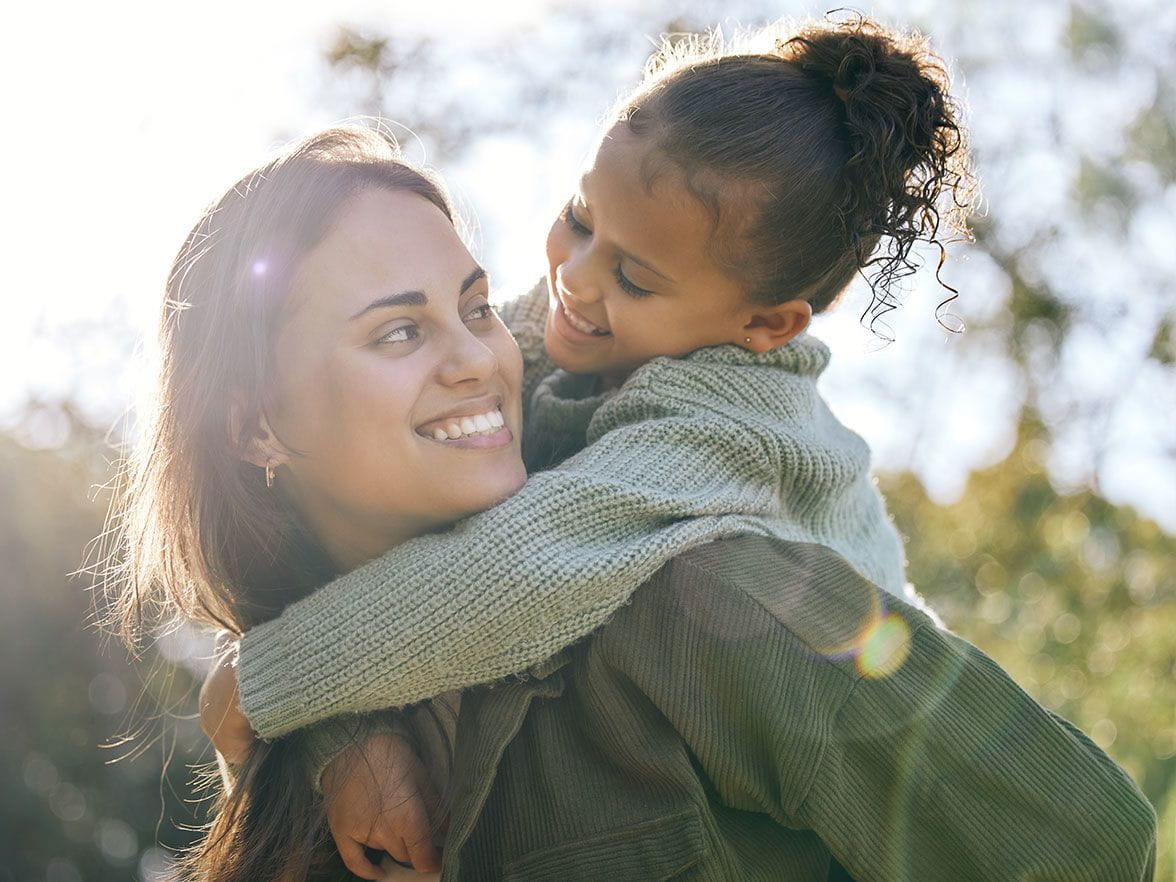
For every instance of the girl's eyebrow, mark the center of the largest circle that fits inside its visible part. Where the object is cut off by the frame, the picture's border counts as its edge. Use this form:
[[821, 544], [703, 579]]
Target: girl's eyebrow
[[642, 263], [416, 298]]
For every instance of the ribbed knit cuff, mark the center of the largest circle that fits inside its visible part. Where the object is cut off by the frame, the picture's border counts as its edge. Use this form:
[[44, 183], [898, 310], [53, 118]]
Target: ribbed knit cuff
[[268, 694]]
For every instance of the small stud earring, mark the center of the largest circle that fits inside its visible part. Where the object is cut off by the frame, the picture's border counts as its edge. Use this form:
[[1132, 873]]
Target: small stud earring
[[269, 474], [747, 340]]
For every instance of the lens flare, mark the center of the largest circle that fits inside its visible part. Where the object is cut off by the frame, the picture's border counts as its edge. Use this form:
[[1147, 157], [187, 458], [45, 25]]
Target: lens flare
[[884, 647]]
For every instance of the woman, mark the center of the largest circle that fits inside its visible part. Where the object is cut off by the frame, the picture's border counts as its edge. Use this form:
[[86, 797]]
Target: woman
[[320, 318]]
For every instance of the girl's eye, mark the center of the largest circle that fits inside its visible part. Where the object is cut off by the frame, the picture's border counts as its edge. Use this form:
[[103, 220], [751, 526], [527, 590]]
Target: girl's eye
[[400, 334], [627, 286], [569, 217]]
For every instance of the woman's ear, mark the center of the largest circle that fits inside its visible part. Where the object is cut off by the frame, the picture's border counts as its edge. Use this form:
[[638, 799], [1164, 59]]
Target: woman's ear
[[773, 326], [253, 439]]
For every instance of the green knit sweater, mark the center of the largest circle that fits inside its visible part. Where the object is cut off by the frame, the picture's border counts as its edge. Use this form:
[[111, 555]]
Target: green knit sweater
[[720, 442]]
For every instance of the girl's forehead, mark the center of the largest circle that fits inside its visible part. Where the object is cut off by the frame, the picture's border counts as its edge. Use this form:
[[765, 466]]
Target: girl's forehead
[[639, 200]]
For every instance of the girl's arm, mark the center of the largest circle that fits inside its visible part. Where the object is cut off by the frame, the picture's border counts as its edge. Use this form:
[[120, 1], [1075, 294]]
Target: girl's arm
[[507, 588]]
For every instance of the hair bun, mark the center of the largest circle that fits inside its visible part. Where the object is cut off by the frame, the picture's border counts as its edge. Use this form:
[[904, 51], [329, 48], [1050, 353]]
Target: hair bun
[[906, 142]]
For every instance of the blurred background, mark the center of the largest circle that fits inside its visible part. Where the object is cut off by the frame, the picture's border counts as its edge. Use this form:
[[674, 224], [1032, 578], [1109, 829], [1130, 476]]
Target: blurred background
[[1030, 461]]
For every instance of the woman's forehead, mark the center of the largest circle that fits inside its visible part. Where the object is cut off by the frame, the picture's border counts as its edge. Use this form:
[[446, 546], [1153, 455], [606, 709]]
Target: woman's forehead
[[383, 243]]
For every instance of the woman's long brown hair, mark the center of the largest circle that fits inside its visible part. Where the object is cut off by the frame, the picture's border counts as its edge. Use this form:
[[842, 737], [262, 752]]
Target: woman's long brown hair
[[193, 533]]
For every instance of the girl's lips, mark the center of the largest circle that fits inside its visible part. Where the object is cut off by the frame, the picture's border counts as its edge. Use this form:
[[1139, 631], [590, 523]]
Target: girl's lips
[[570, 332]]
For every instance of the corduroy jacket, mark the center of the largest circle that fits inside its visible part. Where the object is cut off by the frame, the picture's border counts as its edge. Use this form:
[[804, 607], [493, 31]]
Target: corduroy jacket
[[759, 711]]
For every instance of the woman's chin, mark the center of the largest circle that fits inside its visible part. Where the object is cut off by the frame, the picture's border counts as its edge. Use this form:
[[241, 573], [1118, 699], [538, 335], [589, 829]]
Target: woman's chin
[[492, 485]]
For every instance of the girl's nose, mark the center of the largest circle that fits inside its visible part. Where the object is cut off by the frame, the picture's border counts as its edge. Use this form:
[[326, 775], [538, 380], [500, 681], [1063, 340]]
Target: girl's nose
[[575, 279]]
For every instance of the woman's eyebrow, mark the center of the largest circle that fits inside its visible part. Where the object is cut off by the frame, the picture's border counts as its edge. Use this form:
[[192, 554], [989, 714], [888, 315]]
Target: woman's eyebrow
[[477, 273], [404, 298], [416, 298]]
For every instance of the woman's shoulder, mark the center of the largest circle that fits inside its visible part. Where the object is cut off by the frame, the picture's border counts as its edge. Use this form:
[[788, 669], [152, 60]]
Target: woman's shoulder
[[803, 591]]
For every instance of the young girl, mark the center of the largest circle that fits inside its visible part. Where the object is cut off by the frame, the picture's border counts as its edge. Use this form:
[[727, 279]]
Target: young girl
[[731, 196]]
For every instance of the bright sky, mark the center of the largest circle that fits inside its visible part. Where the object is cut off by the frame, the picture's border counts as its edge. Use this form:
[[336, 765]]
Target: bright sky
[[124, 119]]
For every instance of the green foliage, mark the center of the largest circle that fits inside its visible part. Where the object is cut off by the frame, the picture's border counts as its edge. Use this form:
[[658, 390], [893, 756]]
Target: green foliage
[[65, 804], [1074, 596]]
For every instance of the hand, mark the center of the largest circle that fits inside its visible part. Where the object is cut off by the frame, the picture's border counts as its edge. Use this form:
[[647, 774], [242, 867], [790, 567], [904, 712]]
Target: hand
[[221, 716], [378, 796]]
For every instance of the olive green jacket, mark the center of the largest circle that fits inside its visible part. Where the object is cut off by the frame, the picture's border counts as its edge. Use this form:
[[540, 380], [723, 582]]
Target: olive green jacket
[[760, 711]]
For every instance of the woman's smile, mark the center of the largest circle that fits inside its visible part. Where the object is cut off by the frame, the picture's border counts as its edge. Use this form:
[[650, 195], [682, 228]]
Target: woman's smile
[[477, 424]]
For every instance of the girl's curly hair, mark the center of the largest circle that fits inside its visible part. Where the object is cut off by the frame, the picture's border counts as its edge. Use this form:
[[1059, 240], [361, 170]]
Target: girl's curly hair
[[826, 152]]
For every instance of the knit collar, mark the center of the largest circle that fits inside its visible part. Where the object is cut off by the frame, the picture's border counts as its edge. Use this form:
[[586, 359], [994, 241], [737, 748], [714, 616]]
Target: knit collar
[[564, 404], [803, 355]]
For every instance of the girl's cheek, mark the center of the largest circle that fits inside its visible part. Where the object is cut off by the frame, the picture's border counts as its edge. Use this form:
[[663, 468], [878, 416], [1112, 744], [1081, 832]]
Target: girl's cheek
[[557, 248]]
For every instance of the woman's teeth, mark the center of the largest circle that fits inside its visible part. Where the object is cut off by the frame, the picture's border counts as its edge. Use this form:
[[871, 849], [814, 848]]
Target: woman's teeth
[[582, 324], [463, 427]]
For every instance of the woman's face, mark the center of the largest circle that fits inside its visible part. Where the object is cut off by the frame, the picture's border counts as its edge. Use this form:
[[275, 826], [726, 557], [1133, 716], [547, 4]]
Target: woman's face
[[398, 388]]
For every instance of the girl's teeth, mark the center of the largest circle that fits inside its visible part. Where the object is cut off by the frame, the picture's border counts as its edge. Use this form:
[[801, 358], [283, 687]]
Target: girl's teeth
[[496, 420], [582, 324], [468, 426], [440, 435], [482, 423], [454, 430]]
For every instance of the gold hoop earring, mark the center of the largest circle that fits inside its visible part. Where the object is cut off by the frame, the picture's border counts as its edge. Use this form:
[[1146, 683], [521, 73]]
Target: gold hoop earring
[[269, 474]]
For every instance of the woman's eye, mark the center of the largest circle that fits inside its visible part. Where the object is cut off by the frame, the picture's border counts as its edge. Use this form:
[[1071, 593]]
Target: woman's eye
[[400, 334], [480, 312], [627, 286], [578, 228]]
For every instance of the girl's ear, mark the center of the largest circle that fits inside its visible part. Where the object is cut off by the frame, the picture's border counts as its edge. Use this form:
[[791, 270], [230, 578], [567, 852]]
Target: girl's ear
[[773, 326]]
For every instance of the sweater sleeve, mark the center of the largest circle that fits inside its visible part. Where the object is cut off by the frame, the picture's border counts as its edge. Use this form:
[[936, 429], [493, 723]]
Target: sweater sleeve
[[507, 588], [912, 754]]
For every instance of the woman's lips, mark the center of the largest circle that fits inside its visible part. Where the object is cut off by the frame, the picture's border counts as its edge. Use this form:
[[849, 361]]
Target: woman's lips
[[486, 424], [498, 438]]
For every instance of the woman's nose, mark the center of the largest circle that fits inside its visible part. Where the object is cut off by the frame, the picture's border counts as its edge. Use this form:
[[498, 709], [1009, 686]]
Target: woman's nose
[[467, 359]]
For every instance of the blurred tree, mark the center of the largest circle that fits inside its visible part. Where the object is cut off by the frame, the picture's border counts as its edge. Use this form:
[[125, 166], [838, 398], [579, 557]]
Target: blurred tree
[[1073, 596], [67, 810]]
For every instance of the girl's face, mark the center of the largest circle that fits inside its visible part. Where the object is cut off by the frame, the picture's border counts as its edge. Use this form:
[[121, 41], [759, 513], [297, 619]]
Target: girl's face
[[397, 406], [630, 275]]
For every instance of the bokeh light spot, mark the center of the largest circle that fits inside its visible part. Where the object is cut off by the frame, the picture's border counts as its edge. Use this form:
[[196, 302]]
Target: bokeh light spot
[[1067, 627], [884, 647], [118, 842], [107, 693], [1104, 733], [62, 870]]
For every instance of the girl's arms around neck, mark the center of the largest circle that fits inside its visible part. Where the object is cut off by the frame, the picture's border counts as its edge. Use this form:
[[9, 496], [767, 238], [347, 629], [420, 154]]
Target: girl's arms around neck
[[689, 450]]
